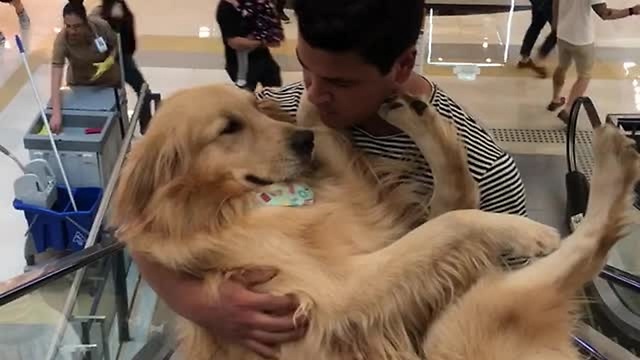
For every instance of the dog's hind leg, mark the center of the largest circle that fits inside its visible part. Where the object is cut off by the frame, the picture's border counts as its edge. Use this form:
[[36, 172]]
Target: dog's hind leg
[[582, 255], [438, 141], [529, 312]]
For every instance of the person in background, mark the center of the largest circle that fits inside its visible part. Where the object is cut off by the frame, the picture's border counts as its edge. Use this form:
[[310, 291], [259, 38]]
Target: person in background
[[574, 24], [266, 27], [237, 37], [23, 17], [541, 14], [121, 20], [89, 45]]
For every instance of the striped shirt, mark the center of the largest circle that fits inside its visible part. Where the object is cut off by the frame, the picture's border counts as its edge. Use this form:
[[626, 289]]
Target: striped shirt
[[500, 184]]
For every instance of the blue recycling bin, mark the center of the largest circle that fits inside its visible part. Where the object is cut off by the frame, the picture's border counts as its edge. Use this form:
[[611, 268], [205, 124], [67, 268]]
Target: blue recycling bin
[[61, 228]]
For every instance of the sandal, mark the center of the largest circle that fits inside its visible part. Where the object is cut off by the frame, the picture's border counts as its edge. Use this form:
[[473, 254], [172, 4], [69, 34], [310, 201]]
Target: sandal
[[553, 105], [564, 116]]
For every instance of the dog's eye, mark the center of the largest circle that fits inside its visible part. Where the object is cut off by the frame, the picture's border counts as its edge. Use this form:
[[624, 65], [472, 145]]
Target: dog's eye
[[233, 126]]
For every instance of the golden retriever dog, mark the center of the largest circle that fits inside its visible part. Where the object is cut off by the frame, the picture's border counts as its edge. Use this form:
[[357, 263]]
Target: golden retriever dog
[[197, 195]]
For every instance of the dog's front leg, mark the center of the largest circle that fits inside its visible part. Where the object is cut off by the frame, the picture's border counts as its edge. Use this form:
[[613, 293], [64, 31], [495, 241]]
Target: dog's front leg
[[438, 141]]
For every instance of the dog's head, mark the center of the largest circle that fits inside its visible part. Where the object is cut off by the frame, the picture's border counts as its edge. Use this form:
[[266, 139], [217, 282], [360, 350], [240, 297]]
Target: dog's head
[[207, 144]]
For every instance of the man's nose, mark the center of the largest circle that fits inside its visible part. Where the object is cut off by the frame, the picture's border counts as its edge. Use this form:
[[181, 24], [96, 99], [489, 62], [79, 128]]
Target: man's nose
[[317, 94]]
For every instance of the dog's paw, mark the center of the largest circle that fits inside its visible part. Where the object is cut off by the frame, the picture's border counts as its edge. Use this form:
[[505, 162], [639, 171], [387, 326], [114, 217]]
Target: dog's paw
[[407, 113], [615, 175], [273, 110], [617, 163], [533, 240]]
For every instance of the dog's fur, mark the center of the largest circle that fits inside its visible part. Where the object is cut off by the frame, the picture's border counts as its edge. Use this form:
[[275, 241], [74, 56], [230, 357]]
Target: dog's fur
[[370, 284]]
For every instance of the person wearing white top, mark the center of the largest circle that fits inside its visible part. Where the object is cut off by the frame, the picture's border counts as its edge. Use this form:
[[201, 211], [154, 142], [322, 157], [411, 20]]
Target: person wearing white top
[[573, 21]]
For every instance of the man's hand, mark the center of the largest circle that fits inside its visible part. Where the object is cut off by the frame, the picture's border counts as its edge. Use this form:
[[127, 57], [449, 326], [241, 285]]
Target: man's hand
[[103, 67], [259, 322], [636, 10]]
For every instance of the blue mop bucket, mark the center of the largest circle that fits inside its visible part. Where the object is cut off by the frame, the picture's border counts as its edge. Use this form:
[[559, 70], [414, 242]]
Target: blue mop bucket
[[61, 228]]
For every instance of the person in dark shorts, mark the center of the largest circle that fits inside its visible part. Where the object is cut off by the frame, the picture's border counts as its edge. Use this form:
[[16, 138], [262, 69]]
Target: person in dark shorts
[[236, 35], [23, 17]]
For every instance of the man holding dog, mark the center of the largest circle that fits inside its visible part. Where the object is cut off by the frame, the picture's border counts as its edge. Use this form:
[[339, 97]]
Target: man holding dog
[[355, 55]]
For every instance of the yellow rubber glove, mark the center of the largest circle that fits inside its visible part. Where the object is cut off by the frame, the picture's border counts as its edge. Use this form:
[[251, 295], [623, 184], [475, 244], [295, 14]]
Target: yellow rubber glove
[[103, 67]]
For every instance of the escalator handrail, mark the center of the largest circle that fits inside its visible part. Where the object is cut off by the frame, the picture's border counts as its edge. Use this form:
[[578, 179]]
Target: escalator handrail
[[621, 278], [589, 349], [30, 281], [74, 289], [572, 127]]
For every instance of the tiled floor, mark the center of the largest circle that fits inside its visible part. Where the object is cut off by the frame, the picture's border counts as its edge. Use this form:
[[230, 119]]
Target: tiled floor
[[181, 48]]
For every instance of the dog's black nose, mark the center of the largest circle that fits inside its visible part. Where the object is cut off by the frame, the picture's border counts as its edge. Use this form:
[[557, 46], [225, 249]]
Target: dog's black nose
[[302, 142]]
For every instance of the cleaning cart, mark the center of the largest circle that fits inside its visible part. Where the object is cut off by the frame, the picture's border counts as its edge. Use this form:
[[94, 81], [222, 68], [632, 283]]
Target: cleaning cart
[[90, 140], [52, 221]]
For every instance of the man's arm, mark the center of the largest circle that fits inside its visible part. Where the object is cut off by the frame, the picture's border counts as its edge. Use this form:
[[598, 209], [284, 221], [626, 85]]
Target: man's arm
[[243, 43], [607, 13], [172, 286], [238, 315], [501, 188]]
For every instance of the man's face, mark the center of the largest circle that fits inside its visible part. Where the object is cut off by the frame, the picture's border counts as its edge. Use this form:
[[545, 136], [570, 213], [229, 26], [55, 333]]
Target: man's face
[[346, 90]]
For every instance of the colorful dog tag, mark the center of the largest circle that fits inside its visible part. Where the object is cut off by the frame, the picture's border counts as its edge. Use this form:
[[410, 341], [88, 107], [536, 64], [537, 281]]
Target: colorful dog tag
[[286, 195]]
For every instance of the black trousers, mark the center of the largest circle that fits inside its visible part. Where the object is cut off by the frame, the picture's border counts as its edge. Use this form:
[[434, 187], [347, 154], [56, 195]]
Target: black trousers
[[135, 79], [265, 72], [541, 14], [280, 4]]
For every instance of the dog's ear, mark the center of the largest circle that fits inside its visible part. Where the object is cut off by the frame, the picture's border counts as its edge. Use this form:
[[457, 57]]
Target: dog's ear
[[151, 165]]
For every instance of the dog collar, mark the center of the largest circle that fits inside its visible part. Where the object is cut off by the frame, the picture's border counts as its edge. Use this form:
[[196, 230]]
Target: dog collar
[[294, 195]]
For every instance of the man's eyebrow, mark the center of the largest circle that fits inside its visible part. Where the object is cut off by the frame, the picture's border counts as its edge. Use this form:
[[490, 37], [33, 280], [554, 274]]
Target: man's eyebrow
[[328, 79]]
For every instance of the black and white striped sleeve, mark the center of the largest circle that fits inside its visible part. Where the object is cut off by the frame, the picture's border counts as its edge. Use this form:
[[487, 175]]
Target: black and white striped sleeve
[[501, 188], [287, 96]]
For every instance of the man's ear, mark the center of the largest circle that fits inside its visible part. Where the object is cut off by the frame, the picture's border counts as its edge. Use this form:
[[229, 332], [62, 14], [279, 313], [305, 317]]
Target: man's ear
[[404, 65]]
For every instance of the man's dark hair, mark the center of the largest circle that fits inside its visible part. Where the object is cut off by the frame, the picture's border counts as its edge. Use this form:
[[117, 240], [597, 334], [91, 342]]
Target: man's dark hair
[[377, 30]]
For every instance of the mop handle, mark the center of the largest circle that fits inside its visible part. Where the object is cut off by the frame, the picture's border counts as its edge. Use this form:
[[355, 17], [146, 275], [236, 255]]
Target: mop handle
[[46, 122]]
